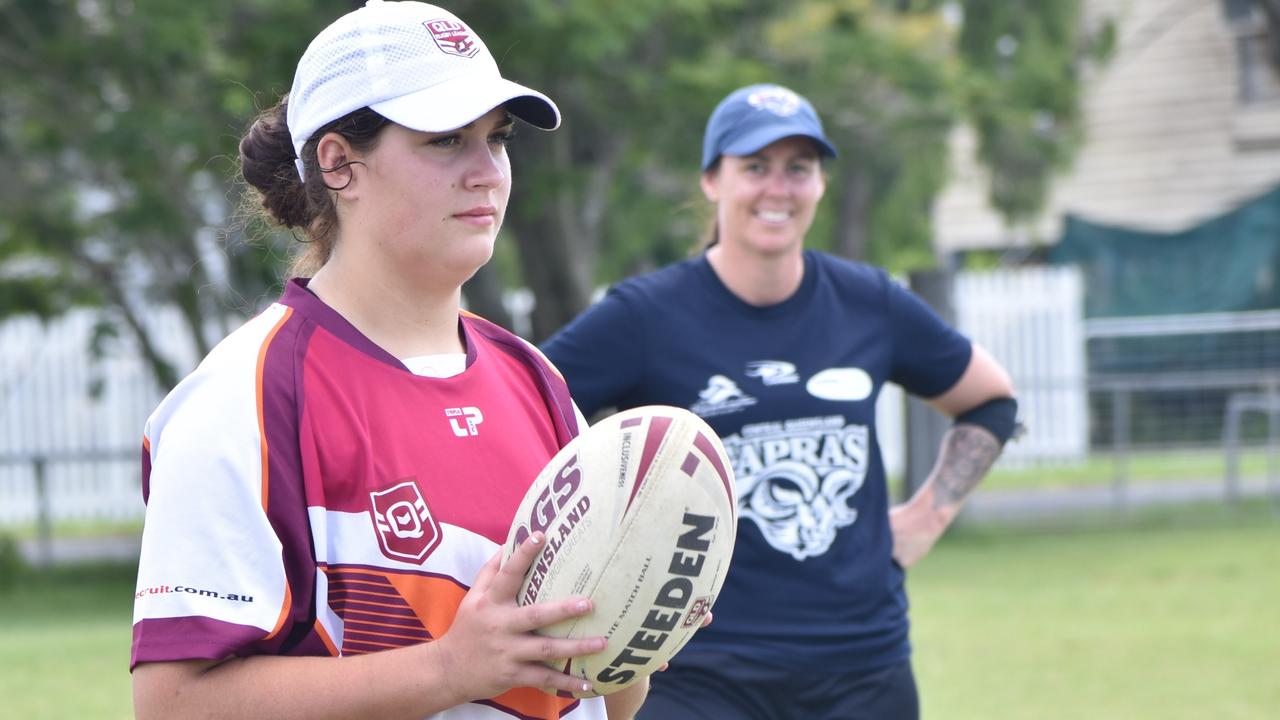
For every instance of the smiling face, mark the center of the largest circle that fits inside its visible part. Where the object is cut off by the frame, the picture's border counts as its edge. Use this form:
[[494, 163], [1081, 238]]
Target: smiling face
[[429, 204], [765, 202]]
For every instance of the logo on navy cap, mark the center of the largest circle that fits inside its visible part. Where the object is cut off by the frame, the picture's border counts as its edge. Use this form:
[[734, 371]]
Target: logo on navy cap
[[777, 100]]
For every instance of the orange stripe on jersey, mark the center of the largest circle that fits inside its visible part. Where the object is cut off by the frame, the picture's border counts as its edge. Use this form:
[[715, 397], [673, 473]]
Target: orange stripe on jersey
[[146, 443], [262, 423], [528, 346], [284, 610], [323, 634], [546, 361], [262, 436], [372, 601], [382, 609], [435, 600], [533, 703]]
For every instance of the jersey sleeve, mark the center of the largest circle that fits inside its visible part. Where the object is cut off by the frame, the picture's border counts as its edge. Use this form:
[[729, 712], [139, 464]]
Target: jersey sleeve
[[211, 578], [929, 356], [600, 353]]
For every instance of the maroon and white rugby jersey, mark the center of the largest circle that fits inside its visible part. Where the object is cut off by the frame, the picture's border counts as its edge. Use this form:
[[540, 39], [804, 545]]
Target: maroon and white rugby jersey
[[309, 495]]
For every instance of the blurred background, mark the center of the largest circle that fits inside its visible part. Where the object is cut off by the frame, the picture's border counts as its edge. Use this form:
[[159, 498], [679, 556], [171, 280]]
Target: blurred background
[[1088, 188]]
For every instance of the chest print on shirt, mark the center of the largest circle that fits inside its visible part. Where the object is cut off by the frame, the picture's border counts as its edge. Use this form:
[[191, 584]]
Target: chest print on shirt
[[465, 421], [796, 480], [406, 529], [721, 396], [841, 384], [773, 372]]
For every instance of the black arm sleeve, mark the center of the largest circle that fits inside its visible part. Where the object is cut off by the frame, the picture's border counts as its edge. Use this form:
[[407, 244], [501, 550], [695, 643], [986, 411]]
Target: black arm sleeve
[[998, 416]]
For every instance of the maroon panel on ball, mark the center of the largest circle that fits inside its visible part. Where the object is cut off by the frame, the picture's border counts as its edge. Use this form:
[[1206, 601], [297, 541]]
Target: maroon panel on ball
[[701, 442], [658, 427]]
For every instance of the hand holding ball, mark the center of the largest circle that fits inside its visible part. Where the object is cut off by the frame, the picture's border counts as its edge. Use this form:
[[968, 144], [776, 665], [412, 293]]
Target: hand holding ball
[[639, 513]]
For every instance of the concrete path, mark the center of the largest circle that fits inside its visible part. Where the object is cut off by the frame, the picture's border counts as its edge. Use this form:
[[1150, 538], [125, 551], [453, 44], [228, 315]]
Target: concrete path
[[1034, 504]]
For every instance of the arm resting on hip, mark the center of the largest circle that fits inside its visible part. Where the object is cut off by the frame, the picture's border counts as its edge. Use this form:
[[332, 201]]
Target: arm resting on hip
[[986, 416]]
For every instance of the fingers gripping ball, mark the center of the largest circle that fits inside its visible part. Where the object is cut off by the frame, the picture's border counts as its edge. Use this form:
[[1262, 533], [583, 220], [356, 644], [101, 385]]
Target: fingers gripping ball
[[639, 513]]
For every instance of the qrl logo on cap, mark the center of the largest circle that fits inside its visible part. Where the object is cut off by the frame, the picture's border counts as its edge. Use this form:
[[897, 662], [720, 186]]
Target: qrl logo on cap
[[453, 37], [406, 529]]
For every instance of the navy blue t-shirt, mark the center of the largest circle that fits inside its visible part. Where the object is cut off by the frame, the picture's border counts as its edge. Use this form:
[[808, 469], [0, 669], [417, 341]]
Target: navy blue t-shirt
[[791, 389]]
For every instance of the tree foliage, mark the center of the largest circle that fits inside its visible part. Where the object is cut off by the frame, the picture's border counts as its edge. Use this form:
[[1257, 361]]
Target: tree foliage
[[121, 119], [118, 133]]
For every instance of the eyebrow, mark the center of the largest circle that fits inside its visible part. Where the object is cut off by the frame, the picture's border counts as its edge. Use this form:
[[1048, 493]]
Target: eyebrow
[[507, 119]]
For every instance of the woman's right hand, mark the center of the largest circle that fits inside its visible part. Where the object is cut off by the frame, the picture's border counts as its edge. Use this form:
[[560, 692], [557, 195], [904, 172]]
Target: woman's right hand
[[491, 648]]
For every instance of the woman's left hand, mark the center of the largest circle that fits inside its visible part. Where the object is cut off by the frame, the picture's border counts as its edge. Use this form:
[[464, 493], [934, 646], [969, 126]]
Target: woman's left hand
[[916, 527]]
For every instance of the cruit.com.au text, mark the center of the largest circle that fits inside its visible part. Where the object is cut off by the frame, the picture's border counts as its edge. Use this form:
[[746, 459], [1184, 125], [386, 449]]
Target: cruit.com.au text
[[166, 589]]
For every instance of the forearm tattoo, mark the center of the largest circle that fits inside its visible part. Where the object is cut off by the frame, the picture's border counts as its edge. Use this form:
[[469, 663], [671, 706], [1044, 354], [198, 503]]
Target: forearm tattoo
[[968, 452]]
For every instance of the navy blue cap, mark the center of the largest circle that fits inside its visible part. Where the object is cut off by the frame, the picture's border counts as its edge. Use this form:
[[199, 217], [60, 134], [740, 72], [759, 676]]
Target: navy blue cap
[[757, 115]]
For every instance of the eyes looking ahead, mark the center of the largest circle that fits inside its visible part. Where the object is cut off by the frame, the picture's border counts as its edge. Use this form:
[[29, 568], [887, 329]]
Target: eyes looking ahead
[[500, 133]]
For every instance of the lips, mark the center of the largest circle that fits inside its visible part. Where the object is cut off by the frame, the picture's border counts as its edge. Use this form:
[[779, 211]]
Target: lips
[[479, 211]]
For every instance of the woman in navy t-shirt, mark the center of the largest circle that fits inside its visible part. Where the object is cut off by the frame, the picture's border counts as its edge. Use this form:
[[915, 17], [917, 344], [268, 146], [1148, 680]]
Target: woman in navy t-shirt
[[784, 351]]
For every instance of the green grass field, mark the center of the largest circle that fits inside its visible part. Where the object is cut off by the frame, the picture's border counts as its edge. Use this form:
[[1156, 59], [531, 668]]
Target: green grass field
[[65, 647], [1167, 616], [1174, 615]]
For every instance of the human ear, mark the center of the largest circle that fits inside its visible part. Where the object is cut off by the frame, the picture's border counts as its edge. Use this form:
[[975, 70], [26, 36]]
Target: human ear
[[710, 183], [335, 157]]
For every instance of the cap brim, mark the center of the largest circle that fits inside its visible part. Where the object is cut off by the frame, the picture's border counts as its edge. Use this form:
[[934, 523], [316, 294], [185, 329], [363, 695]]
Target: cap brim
[[754, 142], [454, 103]]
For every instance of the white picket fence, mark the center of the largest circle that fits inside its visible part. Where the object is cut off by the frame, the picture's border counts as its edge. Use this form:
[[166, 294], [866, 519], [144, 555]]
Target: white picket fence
[[74, 422], [1030, 319]]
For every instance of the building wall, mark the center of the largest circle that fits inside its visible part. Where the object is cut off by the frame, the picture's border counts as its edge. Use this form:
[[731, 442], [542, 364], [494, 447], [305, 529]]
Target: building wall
[[1169, 141]]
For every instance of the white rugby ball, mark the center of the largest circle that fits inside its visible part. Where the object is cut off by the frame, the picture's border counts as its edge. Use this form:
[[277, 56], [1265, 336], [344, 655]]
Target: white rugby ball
[[639, 513]]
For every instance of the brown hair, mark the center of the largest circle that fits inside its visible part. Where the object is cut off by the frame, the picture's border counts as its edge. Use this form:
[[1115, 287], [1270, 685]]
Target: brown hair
[[267, 163], [711, 223]]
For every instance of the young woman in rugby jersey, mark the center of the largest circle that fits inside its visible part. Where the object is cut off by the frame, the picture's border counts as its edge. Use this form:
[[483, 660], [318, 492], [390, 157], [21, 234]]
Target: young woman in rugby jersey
[[784, 350], [329, 490]]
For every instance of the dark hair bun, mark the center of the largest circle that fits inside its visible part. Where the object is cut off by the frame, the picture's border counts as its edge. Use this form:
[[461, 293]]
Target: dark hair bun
[[267, 163]]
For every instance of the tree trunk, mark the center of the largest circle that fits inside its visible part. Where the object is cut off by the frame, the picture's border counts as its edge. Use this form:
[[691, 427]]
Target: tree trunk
[[187, 299], [547, 250], [853, 211], [557, 230], [161, 369], [484, 296]]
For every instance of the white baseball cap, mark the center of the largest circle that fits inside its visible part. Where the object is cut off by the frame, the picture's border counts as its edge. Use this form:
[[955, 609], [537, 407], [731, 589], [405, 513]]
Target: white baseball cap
[[415, 64]]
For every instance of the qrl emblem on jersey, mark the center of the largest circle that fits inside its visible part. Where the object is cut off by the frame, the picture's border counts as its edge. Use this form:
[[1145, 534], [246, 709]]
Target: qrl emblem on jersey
[[406, 529], [453, 37], [464, 420]]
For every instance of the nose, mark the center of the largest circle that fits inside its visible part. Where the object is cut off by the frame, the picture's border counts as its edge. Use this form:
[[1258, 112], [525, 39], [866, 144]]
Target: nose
[[487, 167], [776, 183]]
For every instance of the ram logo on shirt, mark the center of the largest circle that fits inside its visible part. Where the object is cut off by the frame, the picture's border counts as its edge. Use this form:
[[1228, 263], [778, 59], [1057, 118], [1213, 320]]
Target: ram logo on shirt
[[797, 479]]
